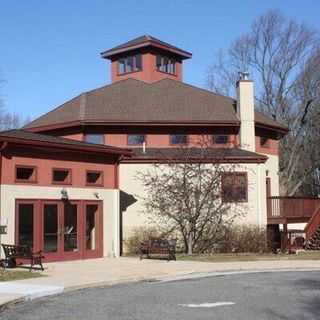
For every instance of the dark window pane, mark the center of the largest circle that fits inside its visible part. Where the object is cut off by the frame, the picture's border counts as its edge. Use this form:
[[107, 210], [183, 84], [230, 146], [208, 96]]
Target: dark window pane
[[158, 62], [60, 175], [264, 142], [50, 228], [94, 177], [121, 66], [138, 62], [94, 138], [70, 227], [25, 173], [129, 64], [25, 236], [91, 230], [135, 139], [178, 139], [220, 139]]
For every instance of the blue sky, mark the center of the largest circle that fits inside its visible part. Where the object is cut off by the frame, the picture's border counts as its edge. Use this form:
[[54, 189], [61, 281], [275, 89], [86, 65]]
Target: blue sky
[[50, 49]]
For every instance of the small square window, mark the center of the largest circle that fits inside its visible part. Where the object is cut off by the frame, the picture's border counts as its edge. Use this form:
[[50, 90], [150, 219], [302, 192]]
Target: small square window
[[94, 178], [220, 138], [178, 139], [62, 176], [234, 187], [94, 138], [264, 142], [136, 139], [25, 174]]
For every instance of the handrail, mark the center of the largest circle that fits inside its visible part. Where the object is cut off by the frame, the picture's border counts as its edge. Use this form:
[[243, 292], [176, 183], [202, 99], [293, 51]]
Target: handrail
[[313, 224], [292, 207]]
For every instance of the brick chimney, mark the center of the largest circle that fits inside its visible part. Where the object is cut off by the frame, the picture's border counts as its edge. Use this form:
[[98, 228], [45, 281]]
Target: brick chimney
[[146, 58], [245, 110]]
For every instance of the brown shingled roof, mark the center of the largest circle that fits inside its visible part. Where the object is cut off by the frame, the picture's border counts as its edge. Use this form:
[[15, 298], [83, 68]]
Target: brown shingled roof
[[210, 154], [133, 101], [145, 41], [25, 137]]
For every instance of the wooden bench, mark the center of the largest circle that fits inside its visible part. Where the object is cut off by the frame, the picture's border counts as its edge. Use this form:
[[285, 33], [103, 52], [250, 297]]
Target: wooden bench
[[13, 252], [162, 247]]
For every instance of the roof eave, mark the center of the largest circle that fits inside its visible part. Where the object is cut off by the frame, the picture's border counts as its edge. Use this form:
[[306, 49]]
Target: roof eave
[[129, 123], [110, 53], [279, 129], [64, 146]]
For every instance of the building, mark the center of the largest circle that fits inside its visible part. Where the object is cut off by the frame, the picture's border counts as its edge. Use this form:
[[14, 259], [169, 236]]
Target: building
[[68, 178]]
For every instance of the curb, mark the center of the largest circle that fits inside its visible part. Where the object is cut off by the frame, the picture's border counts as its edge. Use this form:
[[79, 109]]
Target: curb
[[154, 280]]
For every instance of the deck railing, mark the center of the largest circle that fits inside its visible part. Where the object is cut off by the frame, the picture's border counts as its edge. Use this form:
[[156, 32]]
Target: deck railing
[[291, 207], [313, 224]]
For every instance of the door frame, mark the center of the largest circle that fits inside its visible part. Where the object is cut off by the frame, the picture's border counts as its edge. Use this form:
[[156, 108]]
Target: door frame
[[61, 255], [87, 254]]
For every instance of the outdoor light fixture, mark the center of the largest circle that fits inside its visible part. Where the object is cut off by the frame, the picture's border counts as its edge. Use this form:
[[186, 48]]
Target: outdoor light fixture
[[96, 194], [64, 194]]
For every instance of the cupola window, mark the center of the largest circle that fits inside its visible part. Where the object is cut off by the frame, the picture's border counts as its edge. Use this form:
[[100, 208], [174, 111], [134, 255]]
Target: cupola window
[[130, 64], [165, 64]]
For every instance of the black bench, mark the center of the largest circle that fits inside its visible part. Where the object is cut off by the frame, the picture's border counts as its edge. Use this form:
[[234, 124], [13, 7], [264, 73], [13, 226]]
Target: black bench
[[13, 252], [162, 247]]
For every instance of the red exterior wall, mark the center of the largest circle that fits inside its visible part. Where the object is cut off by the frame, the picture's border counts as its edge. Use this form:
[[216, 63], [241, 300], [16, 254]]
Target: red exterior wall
[[272, 149], [44, 171], [160, 138], [149, 72]]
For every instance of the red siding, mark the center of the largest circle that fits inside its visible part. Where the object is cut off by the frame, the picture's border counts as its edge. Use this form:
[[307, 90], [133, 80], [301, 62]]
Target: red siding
[[44, 171], [149, 72]]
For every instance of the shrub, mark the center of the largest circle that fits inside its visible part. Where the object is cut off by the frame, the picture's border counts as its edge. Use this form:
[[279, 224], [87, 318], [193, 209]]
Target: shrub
[[243, 238], [137, 235]]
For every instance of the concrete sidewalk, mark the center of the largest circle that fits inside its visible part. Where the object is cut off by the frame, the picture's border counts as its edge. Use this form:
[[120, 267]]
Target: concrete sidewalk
[[71, 275]]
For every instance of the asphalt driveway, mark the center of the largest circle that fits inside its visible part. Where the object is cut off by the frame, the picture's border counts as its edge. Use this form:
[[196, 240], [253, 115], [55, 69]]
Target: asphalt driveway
[[278, 295]]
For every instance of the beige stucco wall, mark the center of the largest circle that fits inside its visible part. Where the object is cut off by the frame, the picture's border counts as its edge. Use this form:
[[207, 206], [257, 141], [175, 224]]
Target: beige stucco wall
[[110, 198], [255, 207], [272, 165]]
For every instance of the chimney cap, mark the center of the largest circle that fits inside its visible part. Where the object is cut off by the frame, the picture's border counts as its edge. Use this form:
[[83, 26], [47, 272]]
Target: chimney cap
[[244, 75]]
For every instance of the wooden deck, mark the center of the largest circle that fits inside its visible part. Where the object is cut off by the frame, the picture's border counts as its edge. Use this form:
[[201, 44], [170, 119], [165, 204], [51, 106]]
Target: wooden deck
[[284, 210]]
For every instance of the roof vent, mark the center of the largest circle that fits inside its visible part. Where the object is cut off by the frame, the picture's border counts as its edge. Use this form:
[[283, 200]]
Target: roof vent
[[244, 75]]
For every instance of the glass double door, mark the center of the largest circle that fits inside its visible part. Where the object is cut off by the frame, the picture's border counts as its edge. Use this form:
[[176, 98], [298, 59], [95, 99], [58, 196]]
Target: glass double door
[[63, 230]]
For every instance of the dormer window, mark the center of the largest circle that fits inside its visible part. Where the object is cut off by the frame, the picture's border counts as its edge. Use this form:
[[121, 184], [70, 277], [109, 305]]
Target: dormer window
[[165, 64], [130, 64]]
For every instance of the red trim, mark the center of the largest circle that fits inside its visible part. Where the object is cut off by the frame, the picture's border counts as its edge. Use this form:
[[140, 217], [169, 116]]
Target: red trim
[[62, 255]]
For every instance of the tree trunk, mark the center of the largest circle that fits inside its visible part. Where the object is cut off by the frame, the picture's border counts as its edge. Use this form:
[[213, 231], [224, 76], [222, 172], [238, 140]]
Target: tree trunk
[[190, 244]]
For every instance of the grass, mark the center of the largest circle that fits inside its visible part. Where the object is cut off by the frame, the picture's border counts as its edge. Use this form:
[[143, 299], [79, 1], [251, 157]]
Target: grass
[[234, 257], [10, 275]]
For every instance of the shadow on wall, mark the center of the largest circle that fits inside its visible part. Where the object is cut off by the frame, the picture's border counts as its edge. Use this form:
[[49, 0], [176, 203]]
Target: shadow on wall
[[126, 200]]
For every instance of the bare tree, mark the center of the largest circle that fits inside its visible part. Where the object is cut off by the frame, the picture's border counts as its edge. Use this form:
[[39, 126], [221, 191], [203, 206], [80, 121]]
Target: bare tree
[[9, 120], [283, 58], [184, 194]]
